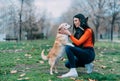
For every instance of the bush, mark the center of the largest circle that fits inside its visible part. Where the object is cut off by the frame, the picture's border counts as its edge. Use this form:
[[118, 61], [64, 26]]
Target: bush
[[35, 36]]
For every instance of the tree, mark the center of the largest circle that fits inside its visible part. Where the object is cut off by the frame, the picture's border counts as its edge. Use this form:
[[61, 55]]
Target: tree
[[9, 21], [44, 24], [97, 13], [114, 10], [28, 19], [20, 30]]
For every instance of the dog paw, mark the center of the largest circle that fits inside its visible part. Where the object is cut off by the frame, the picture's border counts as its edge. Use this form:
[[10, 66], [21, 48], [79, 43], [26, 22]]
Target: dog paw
[[56, 71], [51, 73]]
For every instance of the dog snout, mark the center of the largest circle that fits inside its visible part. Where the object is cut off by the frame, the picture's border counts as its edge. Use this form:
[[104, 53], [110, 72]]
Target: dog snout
[[70, 26]]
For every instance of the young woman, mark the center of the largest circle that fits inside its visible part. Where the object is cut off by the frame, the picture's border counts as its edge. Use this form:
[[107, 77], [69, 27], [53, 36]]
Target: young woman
[[83, 53]]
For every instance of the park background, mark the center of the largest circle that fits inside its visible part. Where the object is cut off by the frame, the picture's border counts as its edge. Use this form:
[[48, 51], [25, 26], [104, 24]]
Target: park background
[[36, 19], [29, 26]]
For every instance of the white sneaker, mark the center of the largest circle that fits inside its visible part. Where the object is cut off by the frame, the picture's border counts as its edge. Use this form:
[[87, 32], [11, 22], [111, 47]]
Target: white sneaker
[[89, 67], [71, 73]]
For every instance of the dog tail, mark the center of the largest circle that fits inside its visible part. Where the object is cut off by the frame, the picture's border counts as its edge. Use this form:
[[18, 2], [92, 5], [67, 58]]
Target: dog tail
[[43, 55]]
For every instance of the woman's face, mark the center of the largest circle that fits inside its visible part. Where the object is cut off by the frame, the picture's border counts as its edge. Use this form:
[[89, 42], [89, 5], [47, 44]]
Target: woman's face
[[76, 22]]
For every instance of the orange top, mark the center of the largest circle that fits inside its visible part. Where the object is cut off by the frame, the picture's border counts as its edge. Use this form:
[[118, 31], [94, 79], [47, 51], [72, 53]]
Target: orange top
[[86, 39]]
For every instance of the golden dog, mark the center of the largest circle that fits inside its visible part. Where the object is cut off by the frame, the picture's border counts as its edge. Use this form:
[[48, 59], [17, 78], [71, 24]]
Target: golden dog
[[58, 48]]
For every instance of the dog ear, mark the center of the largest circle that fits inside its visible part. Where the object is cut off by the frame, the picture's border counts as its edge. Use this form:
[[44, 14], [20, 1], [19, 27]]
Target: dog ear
[[86, 19], [60, 28]]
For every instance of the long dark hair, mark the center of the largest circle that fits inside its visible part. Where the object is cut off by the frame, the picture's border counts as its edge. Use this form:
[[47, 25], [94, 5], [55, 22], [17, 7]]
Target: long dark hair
[[83, 24]]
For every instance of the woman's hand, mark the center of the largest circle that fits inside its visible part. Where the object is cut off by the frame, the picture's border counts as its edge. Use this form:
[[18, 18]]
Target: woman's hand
[[65, 31]]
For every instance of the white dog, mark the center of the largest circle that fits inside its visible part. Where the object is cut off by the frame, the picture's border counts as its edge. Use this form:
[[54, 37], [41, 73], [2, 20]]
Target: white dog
[[58, 48]]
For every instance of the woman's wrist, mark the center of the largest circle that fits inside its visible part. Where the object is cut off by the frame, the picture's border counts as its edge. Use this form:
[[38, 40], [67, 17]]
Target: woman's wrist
[[69, 35]]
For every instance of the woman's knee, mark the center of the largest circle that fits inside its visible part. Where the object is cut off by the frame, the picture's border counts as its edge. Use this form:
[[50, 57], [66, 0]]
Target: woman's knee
[[67, 47]]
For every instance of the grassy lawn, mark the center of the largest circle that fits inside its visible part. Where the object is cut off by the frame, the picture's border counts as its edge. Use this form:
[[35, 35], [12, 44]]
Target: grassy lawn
[[21, 61]]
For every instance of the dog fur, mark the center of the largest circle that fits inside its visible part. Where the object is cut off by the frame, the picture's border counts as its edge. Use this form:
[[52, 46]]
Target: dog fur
[[58, 48]]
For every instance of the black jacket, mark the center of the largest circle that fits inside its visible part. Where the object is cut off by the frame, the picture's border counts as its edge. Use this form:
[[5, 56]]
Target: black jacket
[[79, 32]]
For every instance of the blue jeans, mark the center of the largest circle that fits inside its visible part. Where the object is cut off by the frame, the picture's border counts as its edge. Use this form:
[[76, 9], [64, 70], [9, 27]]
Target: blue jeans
[[78, 57]]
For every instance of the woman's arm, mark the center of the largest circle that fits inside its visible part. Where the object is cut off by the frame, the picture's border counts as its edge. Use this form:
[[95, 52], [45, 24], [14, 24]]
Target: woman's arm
[[80, 41], [83, 38]]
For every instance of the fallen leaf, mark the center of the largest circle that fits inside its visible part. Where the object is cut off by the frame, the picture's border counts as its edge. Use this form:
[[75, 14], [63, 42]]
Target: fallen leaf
[[27, 55], [30, 57], [13, 71], [18, 59], [103, 67], [78, 80], [26, 78], [20, 79], [114, 59], [42, 62], [27, 68], [101, 52], [104, 49], [111, 61], [23, 74], [72, 78], [91, 80], [98, 48], [32, 49], [101, 55], [49, 80], [98, 60], [112, 69]]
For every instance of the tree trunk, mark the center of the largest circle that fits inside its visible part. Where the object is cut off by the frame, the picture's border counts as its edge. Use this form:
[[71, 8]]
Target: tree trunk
[[112, 26], [20, 30]]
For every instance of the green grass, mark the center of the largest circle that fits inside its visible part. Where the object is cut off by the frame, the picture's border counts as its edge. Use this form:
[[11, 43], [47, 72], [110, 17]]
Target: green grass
[[24, 57]]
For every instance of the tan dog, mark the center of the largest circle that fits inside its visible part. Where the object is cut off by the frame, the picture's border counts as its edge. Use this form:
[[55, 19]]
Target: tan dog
[[58, 48]]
